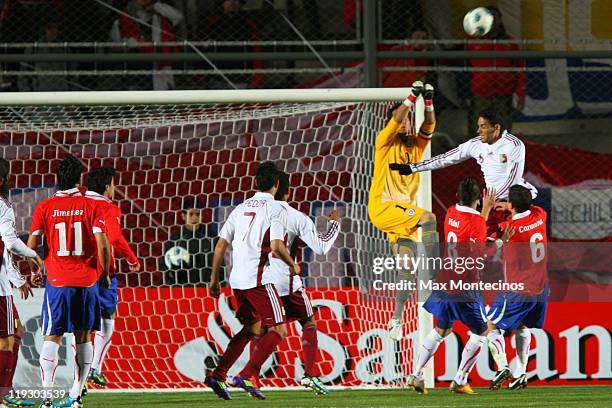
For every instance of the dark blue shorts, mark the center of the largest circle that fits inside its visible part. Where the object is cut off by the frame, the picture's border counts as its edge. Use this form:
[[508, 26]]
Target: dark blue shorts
[[67, 309], [450, 307], [510, 310], [109, 297]]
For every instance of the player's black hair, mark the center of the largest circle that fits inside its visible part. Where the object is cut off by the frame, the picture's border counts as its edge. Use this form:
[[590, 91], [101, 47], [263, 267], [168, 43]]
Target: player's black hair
[[283, 186], [266, 176], [69, 173], [98, 179], [468, 191], [5, 168], [492, 116], [190, 202], [520, 198], [392, 109]]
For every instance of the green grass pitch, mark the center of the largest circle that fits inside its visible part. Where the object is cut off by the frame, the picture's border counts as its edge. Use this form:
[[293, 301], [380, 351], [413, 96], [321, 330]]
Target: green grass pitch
[[559, 396]]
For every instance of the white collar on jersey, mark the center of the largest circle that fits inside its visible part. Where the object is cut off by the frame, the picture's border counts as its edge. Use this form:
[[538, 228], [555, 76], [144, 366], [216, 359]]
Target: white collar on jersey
[[96, 196], [521, 215], [463, 208], [67, 192], [261, 194]]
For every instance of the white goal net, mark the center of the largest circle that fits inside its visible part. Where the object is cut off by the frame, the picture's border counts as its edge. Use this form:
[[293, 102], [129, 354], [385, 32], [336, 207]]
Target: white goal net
[[168, 330]]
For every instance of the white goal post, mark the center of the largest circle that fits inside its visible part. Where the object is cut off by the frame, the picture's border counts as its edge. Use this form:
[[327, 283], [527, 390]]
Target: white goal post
[[168, 144]]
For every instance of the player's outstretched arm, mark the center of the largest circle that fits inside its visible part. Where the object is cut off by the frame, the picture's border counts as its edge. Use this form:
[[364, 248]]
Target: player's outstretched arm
[[104, 256], [320, 243], [118, 241], [454, 156], [220, 249]]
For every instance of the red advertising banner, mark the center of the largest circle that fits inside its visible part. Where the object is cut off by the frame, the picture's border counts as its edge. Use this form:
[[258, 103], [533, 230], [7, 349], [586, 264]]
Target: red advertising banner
[[166, 337]]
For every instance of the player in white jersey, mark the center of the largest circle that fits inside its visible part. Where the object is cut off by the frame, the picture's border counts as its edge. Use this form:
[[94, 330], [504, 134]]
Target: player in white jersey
[[501, 157], [295, 300], [254, 229], [11, 329]]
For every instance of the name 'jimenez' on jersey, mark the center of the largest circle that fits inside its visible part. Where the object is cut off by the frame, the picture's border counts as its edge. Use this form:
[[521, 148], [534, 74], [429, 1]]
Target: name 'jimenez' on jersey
[[300, 228], [69, 221]]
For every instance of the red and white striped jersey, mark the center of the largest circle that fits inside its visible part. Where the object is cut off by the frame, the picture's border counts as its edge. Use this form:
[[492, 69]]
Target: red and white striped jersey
[[300, 227], [502, 163], [10, 244], [249, 229]]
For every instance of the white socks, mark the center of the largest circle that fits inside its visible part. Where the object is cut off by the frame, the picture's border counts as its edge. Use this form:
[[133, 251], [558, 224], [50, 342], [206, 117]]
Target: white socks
[[523, 344], [102, 342], [82, 361], [48, 363], [428, 348], [497, 345], [468, 358]]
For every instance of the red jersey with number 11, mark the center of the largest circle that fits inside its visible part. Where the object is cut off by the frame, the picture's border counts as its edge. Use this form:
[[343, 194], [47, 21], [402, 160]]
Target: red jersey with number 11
[[69, 221]]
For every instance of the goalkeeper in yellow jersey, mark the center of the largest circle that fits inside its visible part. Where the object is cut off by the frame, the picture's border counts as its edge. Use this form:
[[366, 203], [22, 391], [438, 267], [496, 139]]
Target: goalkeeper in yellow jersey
[[392, 204]]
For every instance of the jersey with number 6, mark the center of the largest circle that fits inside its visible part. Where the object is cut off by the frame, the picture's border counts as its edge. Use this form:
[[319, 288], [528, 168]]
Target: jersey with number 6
[[526, 254], [250, 228], [69, 222]]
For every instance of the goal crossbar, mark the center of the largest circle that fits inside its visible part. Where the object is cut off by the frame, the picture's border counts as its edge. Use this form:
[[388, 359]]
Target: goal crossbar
[[203, 96]]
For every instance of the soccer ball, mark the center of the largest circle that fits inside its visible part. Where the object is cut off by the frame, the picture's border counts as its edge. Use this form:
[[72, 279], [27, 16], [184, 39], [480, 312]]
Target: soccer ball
[[477, 22], [175, 256]]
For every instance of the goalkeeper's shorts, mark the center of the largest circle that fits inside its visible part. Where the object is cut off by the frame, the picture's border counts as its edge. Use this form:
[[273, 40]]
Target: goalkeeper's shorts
[[396, 219]]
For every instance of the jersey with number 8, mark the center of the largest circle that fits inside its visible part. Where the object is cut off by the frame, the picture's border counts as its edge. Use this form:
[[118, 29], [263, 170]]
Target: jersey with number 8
[[525, 257], [69, 221]]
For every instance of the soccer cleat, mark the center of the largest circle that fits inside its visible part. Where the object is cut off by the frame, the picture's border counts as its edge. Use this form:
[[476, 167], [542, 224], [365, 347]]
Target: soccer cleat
[[315, 384], [499, 378], [428, 92], [248, 386], [219, 387], [97, 378], [69, 402], [418, 384], [46, 404], [395, 329], [17, 402], [518, 383], [462, 389], [417, 88]]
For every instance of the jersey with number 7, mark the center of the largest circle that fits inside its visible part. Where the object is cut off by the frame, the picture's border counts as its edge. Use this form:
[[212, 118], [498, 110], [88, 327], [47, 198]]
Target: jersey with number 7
[[526, 255], [69, 222]]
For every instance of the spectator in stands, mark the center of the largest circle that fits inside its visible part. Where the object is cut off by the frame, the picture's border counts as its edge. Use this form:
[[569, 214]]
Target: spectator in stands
[[492, 88], [51, 33], [150, 21], [232, 23], [188, 254], [21, 21]]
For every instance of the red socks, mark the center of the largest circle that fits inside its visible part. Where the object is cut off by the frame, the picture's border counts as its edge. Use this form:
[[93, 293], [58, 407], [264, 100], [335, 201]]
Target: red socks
[[232, 352], [265, 347], [6, 368], [310, 347]]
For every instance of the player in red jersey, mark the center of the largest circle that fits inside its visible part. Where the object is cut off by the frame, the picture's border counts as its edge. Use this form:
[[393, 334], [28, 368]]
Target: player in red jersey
[[465, 231], [11, 330], [525, 267], [101, 189], [75, 241]]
